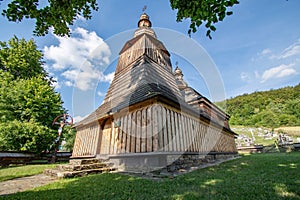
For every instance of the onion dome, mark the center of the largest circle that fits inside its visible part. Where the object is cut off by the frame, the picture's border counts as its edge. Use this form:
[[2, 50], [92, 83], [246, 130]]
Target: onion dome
[[144, 26]]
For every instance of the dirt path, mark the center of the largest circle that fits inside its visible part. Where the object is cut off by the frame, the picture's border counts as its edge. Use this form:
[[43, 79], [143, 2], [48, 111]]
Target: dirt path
[[25, 183]]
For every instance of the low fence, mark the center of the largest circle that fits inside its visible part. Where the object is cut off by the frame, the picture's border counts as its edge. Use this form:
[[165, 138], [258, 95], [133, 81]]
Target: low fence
[[251, 149], [8, 158], [296, 146], [269, 149]]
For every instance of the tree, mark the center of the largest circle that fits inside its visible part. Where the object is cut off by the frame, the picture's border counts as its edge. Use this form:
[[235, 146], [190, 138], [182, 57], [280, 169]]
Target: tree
[[61, 14], [21, 58], [68, 138], [28, 102], [271, 109], [288, 120], [266, 118], [202, 11], [56, 14], [25, 136]]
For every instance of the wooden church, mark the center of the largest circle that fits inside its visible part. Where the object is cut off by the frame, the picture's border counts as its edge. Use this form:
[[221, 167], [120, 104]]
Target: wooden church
[[150, 116]]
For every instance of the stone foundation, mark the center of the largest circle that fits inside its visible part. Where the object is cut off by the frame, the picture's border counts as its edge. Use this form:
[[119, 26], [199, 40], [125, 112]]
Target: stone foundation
[[187, 161], [162, 161], [81, 167]]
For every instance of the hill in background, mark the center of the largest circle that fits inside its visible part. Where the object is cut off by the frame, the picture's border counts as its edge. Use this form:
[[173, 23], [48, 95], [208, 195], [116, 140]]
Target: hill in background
[[271, 109]]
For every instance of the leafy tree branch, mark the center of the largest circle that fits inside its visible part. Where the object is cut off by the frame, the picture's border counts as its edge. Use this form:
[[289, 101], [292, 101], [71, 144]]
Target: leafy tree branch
[[61, 14]]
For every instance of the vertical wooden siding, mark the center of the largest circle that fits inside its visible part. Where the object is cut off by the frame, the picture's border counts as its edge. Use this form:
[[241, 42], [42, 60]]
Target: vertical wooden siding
[[157, 128], [153, 128], [86, 141]]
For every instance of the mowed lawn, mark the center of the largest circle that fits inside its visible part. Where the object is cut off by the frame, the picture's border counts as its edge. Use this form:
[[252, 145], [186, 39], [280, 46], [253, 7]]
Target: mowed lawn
[[256, 176], [22, 171]]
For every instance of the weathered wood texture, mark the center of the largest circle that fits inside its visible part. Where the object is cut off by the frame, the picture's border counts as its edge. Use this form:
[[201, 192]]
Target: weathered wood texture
[[140, 45], [127, 122], [154, 128], [87, 141]]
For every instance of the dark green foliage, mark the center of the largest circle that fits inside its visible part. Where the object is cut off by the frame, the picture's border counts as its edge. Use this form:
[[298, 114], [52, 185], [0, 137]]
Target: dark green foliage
[[29, 100], [61, 14], [56, 14], [21, 58], [28, 103], [271, 109], [25, 136], [199, 12], [69, 134]]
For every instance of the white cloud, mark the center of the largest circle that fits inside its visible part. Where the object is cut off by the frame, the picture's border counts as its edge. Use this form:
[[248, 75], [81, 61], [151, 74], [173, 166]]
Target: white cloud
[[292, 50], [100, 94], [278, 72], [77, 119], [56, 84], [265, 52], [108, 78], [245, 77], [256, 74], [85, 80], [80, 57], [80, 18], [68, 83]]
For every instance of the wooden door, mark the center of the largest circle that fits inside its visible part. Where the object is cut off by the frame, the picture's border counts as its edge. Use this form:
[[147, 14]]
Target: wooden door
[[106, 137]]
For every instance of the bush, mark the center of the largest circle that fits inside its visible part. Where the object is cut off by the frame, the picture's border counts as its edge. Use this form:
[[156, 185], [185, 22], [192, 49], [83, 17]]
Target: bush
[[25, 136]]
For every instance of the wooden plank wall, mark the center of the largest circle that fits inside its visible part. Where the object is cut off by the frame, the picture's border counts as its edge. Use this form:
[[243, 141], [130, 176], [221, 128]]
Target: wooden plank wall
[[86, 141], [155, 128], [130, 55], [143, 46], [105, 146]]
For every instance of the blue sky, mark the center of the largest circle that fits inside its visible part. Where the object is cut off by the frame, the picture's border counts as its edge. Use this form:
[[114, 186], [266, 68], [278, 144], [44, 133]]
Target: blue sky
[[257, 48]]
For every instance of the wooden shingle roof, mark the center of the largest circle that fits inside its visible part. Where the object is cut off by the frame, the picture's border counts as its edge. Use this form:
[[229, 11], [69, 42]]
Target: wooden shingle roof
[[142, 80], [144, 72]]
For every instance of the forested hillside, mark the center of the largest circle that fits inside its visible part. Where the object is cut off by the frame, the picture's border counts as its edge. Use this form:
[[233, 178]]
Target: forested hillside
[[272, 108]]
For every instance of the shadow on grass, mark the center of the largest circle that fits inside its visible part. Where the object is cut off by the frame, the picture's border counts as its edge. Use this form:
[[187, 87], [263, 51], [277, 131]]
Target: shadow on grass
[[258, 176]]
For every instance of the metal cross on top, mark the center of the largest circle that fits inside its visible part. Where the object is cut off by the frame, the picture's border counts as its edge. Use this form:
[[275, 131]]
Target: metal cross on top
[[144, 8], [61, 120]]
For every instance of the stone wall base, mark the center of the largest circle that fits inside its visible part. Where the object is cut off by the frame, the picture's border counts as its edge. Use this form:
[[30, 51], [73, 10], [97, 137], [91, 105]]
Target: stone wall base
[[164, 161]]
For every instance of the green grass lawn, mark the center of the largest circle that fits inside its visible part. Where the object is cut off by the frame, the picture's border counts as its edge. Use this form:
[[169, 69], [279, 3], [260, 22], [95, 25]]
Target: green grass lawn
[[22, 171], [256, 176]]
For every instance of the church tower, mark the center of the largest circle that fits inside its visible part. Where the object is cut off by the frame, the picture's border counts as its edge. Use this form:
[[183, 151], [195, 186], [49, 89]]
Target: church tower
[[149, 113]]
